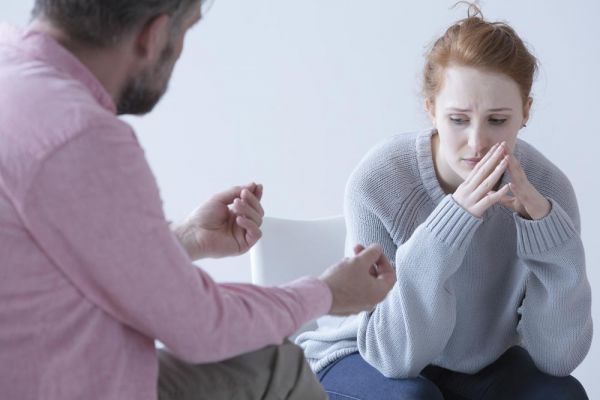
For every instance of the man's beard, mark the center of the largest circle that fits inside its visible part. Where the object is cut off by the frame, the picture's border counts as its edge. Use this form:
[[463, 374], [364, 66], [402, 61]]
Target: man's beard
[[143, 92]]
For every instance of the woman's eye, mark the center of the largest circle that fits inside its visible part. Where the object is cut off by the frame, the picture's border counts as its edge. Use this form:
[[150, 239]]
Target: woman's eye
[[458, 120], [497, 121]]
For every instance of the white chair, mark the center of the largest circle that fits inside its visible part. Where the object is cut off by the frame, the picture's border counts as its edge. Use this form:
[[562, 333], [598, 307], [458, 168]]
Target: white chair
[[290, 249]]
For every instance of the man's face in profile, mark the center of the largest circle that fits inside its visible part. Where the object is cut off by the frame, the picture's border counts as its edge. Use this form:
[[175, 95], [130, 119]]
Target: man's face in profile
[[144, 90]]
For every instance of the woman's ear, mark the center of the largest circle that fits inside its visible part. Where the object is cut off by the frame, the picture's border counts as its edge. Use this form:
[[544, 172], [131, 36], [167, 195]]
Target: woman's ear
[[430, 108], [526, 110]]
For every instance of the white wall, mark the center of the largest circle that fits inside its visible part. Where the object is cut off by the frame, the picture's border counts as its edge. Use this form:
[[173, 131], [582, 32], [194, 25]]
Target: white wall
[[292, 94]]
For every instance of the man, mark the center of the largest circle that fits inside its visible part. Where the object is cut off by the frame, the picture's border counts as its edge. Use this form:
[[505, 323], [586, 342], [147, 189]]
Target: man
[[90, 272]]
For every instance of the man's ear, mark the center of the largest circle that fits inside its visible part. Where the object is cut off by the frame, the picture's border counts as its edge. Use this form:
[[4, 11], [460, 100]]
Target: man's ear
[[153, 37]]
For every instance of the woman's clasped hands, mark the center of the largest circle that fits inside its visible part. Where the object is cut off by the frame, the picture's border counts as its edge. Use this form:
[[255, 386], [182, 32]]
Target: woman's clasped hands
[[477, 193]]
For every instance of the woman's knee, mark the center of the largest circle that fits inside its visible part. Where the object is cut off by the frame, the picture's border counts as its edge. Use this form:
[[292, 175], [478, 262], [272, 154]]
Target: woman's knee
[[567, 388], [547, 387], [353, 378], [427, 391], [423, 390], [530, 383]]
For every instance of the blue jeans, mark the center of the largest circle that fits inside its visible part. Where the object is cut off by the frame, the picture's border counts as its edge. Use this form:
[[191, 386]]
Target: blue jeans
[[513, 376]]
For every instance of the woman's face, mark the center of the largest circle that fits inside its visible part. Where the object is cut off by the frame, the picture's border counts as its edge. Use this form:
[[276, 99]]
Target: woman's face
[[473, 110]]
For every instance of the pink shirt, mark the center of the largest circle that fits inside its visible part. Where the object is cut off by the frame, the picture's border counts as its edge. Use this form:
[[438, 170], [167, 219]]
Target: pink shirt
[[90, 274]]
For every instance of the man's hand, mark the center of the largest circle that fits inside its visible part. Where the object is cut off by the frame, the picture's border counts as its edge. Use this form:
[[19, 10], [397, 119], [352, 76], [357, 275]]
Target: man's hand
[[228, 224], [359, 283]]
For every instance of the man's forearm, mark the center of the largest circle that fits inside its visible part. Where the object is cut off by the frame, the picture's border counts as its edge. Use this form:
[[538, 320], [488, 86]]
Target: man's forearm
[[186, 238]]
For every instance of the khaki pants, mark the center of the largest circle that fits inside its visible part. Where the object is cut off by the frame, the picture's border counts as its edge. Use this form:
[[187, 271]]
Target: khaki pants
[[272, 373]]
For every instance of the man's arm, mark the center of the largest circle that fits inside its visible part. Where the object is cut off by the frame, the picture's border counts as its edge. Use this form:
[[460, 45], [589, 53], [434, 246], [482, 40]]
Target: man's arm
[[95, 210]]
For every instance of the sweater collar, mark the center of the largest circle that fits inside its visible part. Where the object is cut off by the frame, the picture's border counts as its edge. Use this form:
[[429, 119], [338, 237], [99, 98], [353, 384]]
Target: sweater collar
[[426, 167]]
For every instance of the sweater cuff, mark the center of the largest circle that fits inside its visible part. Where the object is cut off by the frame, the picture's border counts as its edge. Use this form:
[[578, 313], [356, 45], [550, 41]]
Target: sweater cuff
[[538, 236], [314, 297], [452, 224]]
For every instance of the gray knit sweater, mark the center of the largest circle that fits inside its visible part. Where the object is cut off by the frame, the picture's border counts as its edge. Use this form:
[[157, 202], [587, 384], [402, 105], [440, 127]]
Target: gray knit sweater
[[468, 288]]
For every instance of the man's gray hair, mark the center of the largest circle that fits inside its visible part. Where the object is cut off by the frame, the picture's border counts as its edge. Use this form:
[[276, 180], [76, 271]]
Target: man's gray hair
[[102, 23]]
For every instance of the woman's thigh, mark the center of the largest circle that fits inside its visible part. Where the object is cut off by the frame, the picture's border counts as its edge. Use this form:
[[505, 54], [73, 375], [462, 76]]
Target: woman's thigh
[[513, 376], [352, 378]]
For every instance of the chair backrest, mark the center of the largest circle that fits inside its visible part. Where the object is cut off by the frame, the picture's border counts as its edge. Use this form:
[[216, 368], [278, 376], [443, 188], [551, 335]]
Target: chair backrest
[[290, 249]]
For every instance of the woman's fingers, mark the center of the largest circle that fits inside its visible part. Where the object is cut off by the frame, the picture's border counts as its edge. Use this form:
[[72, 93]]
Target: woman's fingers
[[508, 201], [487, 166], [485, 158], [518, 180], [490, 199], [490, 181], [528, 201]]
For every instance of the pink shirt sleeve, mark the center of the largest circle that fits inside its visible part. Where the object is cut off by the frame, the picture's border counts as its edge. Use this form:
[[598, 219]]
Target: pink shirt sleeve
[[94, 208]]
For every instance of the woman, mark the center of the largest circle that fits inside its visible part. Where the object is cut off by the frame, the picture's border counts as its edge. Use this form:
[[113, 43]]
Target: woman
[[492, 299]]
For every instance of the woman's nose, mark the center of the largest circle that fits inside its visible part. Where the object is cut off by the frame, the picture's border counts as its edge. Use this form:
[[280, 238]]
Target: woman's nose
[[477, 141]]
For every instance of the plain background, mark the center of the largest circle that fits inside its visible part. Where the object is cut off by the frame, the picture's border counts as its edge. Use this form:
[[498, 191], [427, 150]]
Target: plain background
[[293, 93]]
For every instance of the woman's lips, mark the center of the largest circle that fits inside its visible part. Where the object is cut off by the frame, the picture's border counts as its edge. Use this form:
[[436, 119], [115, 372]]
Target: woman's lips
[[471, 162]]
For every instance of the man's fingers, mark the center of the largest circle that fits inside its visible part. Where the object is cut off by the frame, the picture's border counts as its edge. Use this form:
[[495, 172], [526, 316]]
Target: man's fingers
[[386, 272], [253, 201], [379, 266], [258, 192], [241, 207], [384, 265], [358, 248], [252, 231], [370, 255], [229, 195], [256, 189]]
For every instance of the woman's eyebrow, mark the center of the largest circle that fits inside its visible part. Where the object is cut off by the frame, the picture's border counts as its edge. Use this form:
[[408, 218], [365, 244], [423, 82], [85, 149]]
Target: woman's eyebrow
[[498, 109]]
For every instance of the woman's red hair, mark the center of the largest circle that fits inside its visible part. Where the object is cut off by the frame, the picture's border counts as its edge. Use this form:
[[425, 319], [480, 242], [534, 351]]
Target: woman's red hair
[[475, 42]]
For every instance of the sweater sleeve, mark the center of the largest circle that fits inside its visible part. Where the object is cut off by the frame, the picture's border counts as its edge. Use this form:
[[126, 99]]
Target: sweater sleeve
[[556, 323], [411, 327], [95, 210]]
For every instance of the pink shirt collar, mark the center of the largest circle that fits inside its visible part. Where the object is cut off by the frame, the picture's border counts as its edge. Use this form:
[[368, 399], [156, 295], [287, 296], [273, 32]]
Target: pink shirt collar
[[45, 49]]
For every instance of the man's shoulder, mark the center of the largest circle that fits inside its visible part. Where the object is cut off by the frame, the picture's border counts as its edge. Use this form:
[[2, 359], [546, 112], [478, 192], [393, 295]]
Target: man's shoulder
[[43, 109], [42, 112]]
